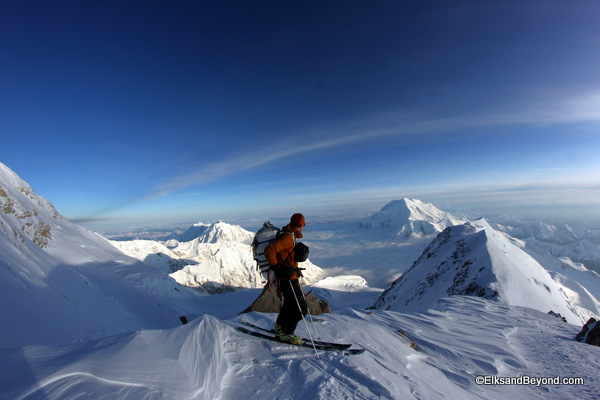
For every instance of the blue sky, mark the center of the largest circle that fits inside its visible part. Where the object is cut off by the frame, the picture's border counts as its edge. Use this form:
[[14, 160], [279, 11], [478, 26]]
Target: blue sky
[[147, 110]]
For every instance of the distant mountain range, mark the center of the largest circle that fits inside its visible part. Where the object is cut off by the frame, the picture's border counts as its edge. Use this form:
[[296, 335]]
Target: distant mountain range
[[563, 240], [213, 257]]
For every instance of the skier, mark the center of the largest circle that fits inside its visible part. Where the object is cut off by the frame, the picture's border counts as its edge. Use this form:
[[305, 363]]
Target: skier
[[280, 255]]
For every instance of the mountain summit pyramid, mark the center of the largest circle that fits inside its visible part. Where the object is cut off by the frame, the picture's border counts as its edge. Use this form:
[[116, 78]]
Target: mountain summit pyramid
[[411, 217], [214, 233]]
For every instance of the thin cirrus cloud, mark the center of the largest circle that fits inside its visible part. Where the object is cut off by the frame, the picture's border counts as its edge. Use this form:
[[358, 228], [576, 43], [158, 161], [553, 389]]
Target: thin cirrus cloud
[[583, 108]]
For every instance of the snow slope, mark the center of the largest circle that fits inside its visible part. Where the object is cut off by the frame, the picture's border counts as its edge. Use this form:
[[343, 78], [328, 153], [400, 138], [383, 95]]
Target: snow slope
[[474, 259], [60, 283], [581, 285], [462, 339]]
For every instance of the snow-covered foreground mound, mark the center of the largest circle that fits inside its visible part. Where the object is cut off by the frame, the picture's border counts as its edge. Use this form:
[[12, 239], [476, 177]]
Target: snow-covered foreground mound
[[208, 359]]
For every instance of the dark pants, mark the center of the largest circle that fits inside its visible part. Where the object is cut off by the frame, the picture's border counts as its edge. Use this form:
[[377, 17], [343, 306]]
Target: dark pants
[[290, 315]]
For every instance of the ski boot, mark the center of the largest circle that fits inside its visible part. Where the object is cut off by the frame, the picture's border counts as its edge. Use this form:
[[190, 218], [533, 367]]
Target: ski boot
[[287, 338]]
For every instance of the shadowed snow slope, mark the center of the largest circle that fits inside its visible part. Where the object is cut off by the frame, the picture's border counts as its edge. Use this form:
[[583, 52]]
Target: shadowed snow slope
[[60, 283], [460, 339]]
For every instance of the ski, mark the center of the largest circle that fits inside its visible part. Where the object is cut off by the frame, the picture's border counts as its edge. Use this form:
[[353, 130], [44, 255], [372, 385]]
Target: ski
[[323, 347], [341, 346]]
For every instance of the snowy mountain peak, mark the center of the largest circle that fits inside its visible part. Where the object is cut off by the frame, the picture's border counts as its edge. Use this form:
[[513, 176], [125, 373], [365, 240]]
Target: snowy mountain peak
[[224, 232], [411, 216], [26, 217], [216, 232], [475, 260]]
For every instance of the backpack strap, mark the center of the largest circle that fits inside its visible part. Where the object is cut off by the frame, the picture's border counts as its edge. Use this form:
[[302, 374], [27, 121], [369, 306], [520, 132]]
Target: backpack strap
[[293, 244]]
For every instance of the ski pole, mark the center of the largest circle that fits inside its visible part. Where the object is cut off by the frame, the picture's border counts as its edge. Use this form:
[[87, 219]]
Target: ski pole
[[304, 319], [312, 321]]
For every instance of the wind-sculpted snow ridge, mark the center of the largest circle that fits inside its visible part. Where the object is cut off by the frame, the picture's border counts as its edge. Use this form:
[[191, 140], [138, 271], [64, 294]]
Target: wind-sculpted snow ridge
[[460, 339], [475, 260], [187, 362], [411, 217]]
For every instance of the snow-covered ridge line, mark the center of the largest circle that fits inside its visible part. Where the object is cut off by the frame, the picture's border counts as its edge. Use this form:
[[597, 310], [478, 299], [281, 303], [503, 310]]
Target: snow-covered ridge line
[[476, 260]]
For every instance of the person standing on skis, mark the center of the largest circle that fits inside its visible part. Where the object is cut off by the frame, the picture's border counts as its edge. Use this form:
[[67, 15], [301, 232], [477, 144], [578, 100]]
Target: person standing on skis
[[280, 255]]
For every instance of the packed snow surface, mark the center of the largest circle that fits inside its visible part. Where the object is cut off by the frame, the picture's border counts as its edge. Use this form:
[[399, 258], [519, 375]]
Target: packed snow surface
[[461, 340]]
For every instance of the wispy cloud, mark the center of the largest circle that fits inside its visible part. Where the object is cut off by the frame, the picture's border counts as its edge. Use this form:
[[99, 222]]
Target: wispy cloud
[[582, 108], [243, 161]]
